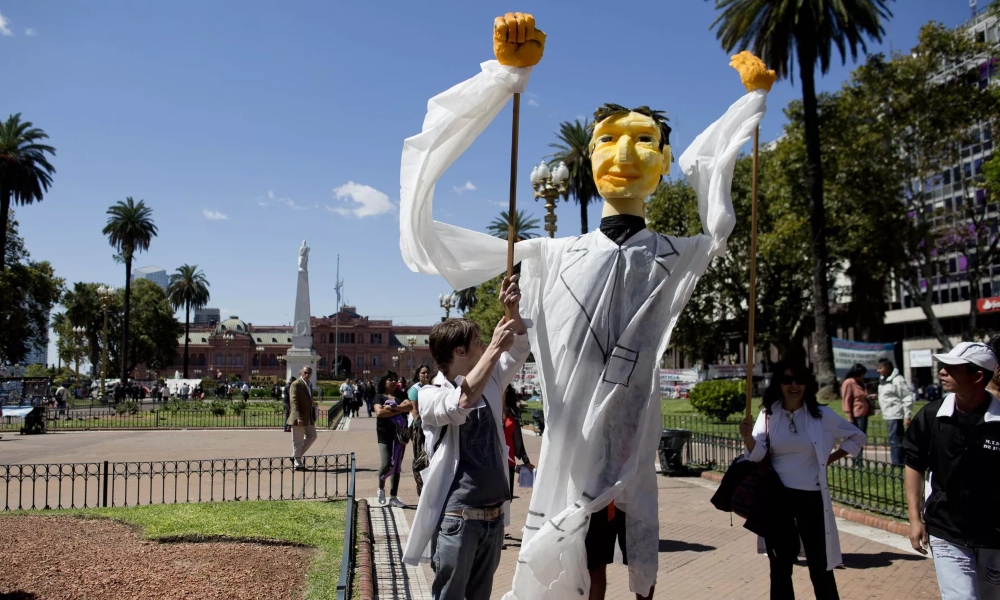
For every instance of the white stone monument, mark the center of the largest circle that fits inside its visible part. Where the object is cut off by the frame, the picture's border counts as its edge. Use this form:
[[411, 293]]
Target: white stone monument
[[301, 354]]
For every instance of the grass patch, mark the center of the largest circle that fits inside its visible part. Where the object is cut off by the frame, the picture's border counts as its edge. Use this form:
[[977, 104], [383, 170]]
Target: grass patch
[[316, 524]]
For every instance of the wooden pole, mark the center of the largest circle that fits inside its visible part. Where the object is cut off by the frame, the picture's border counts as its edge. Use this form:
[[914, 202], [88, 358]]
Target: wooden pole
[[753, 273], [512, 210]]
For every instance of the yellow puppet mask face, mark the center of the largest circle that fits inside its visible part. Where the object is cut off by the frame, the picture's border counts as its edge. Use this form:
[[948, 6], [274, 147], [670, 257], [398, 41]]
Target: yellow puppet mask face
[[626, 156]]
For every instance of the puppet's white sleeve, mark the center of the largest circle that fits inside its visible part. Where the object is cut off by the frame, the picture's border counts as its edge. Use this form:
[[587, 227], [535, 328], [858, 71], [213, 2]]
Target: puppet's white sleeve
[[709, 161], [454, 119]]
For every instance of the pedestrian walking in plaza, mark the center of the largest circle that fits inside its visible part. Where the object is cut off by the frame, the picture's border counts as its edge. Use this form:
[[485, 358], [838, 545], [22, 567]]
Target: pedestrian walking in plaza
[[185, 390], [390, 429], [371, 390], [301, 416], [896, 402], [422, 377], [286, 399], [62, 399], [955, 443], [246, 391], [461, 516], [513, 436], [799, 435], [347, 397], [854, 398]]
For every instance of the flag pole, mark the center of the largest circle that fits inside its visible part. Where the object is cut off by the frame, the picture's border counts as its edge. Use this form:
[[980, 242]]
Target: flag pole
[[512, 210], [753, 272]]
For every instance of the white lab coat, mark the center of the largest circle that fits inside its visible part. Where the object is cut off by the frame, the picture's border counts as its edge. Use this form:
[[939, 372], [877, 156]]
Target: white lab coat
[[602, 315], [825, 433], [439, 409]]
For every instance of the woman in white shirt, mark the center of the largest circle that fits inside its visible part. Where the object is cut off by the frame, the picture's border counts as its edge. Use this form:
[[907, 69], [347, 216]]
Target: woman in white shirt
[[802, 437]]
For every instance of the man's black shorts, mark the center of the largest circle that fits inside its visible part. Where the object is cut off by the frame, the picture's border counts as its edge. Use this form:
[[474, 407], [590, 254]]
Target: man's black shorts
[[601, 536]]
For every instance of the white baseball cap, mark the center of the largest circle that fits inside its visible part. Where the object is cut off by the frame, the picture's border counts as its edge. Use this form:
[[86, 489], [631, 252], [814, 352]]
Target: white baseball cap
[[975, 353]]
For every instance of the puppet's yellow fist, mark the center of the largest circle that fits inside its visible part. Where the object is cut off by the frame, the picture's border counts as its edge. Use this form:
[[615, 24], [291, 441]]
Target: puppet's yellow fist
[[516, 42], [753, 72]]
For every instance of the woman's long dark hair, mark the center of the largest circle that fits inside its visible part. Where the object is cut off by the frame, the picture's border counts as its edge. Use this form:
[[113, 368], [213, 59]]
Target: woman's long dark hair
[[802, 374], [381, 383], [416, 374]]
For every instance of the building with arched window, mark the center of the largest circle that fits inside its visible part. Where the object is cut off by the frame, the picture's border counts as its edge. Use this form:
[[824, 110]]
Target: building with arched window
[[367, 348]]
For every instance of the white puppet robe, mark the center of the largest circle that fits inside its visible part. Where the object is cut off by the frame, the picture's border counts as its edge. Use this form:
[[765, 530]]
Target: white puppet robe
[[602, 315]]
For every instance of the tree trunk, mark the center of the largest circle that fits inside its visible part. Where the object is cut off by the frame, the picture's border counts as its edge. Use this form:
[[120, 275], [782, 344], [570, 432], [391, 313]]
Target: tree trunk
[[128, 304], [4, 215], [584, 230], [187, 333], [817, 219]]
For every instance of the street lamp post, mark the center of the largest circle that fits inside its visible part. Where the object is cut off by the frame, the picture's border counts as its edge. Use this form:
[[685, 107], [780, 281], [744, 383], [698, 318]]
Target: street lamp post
[[447, 301], [412, 341], [549, 185], [106, 294], [228, 337]]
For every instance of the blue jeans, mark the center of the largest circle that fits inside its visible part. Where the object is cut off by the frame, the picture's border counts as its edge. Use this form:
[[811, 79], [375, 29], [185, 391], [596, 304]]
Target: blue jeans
[[966, 573], [862, 424], [464, 557], [895, 427]]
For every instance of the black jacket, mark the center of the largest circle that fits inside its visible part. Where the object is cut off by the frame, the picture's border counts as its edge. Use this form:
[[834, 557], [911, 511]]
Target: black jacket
[[964, 502]]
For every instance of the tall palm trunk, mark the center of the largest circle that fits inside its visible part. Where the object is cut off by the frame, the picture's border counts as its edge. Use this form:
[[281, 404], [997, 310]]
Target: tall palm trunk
[[128, 303], [584, 230], [817, 217], [187, 333], [5, 196]]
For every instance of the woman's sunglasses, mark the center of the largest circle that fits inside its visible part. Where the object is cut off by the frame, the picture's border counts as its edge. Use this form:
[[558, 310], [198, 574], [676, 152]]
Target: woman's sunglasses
[[790, 379]]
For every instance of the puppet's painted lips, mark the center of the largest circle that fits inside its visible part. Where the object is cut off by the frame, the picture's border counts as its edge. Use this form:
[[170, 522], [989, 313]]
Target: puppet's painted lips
[[622, 177]]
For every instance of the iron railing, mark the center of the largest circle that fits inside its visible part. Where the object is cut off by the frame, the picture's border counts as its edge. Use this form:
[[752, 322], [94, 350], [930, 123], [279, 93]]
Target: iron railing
[[348, 556], [137, 483], [878, 434], [871, 485], [57, 419]]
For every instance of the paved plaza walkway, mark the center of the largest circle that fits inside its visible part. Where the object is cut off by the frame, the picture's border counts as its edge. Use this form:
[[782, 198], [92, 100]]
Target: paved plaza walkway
[[702, 556]]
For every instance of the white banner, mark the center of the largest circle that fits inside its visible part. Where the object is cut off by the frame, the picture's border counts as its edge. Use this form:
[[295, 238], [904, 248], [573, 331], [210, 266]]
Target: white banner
[[676, 383], [526, 381], [921, 358]]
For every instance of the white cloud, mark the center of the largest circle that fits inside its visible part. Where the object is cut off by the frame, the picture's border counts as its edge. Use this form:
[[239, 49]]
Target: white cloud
[[292, 204], [214, 215], [468, 187], [30, 32], [270, 194], [361, 201], [532, 102], [5, 26]]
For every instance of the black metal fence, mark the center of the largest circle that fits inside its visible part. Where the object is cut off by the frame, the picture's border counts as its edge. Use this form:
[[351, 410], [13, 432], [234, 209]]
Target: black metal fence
[[877, 432], [161, 418], [348, 555], [871, 485], [100, 484]]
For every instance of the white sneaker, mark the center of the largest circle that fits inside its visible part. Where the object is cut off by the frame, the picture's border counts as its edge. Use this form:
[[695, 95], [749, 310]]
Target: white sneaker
[[381, 496], [297, 462], [394, 501]]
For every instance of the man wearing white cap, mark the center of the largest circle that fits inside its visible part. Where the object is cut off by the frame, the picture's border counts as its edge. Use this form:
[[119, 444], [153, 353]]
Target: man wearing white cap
[[957, 439]]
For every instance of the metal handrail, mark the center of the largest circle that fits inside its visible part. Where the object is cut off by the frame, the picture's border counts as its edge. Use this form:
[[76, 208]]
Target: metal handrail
[[347, 556]]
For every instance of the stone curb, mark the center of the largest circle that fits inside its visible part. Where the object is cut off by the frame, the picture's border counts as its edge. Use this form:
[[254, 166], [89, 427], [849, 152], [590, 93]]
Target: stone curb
[[849, 514], [365, 570]]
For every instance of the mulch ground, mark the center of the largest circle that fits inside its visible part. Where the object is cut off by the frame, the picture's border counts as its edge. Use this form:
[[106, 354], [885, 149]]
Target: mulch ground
[[68, 557]]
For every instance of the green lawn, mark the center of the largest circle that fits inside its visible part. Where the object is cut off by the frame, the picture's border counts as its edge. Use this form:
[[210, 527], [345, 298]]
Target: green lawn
[[252, 417], [316, 524]]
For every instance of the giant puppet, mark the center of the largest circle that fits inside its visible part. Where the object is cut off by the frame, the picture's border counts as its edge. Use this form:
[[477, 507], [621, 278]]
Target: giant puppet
[[602, 305]]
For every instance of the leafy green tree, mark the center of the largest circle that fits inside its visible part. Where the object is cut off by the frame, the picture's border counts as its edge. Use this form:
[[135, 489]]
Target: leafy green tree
[[130, 229], [153, 341], [487, 310], [573, 148], [28, 291], [71, 346], [525, 227], [25, 172], [83, 308], [924, 120], [806, 31], [188, 288]]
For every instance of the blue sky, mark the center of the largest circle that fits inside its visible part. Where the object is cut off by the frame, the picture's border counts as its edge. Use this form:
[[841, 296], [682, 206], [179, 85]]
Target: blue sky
[[249, 126]]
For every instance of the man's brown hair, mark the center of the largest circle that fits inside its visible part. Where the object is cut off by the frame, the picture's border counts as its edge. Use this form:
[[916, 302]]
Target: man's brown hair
[[448, 336]]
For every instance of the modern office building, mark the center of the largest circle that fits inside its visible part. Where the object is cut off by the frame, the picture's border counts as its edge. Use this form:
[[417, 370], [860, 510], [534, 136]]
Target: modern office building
[[206, 316], [157, 275], [943, 202]]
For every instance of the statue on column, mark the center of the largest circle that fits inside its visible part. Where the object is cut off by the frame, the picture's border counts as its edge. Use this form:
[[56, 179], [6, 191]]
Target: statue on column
[[304, 258]]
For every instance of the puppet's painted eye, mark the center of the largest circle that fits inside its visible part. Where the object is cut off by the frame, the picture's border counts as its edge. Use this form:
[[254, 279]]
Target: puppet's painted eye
[[646, 139], [604, 139]]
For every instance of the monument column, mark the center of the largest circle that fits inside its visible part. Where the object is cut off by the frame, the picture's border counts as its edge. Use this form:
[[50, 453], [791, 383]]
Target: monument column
[[301, 354]]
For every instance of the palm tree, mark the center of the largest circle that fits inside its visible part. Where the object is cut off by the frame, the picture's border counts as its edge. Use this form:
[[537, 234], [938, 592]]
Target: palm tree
[[25, 172], [188, 288], [524, 227], [574, 150], [773, 29], [130, 229]]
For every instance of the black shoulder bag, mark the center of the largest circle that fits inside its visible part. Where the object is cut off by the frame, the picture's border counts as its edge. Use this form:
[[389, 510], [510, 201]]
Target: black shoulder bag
[[746, 486]]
